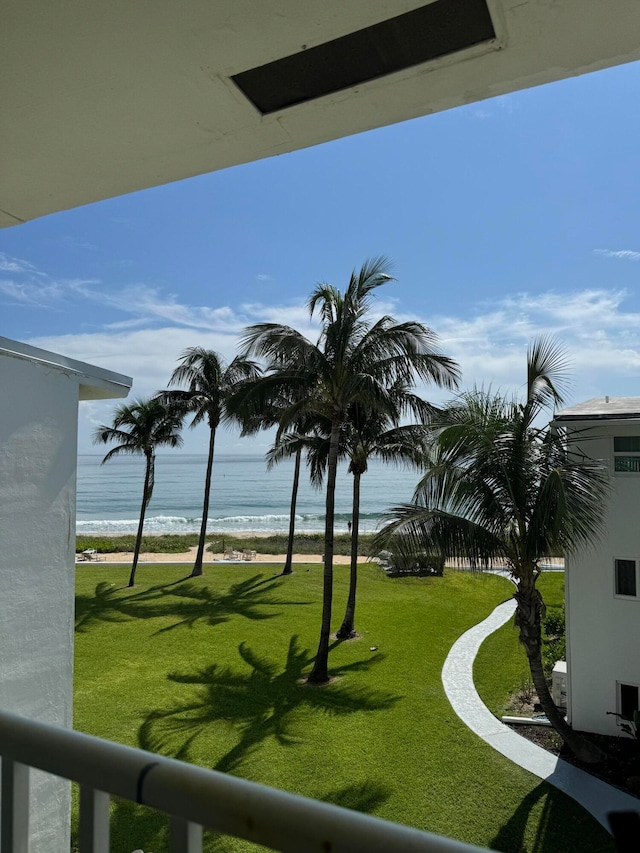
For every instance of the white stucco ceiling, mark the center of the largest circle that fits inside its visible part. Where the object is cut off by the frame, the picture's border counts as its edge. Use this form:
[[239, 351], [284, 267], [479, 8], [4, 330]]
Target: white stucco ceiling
[[104, 98]]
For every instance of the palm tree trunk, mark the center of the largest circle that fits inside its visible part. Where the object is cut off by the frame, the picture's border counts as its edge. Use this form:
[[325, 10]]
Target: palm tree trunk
[[197, 566], [348, 629], [530, 612], [288, 569], [320, 672], [146, 497]]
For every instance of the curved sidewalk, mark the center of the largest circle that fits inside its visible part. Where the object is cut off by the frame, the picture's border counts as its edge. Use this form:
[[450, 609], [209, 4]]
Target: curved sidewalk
[[596, 796]]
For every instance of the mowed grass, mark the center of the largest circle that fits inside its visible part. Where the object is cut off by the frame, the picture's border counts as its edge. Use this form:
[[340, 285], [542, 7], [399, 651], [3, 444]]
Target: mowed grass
[[210, 670]]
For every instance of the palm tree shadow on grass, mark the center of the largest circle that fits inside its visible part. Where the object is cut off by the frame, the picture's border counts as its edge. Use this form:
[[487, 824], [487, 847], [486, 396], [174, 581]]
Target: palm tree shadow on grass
[[556, 828], [363, 797], [266, 702], [102, 606], [189, 603]]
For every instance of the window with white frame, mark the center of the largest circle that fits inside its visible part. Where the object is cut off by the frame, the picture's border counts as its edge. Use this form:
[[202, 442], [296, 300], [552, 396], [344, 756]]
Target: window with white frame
[[626, 454], [626, 578], [628, 696]]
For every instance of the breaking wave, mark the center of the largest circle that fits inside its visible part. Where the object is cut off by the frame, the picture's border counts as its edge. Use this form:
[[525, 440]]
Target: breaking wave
[[268, 523]]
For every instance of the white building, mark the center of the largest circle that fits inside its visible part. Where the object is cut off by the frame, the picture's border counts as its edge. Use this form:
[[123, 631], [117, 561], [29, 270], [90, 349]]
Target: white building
[[602, 583], [38, 455]]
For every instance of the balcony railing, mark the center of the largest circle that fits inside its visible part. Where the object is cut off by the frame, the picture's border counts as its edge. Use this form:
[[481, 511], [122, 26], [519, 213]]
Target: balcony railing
[[192, 797]]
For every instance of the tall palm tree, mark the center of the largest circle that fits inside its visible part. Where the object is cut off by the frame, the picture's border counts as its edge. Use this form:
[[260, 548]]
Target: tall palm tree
[[209, 384], [140, 428], [284, 446], [369, 434], [501, 488], [276, 454], [354, 359]]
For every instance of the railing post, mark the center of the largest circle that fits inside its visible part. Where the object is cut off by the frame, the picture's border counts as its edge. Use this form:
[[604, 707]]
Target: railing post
[[185, 837], [94, 821], [14, 830]]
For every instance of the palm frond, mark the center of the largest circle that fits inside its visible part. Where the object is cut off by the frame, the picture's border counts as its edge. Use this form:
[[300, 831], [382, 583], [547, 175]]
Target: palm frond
[[547, 373]]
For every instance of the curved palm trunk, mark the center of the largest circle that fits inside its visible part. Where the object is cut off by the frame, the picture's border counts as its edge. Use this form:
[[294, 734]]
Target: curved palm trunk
[[146, 497], [528, 619], [288, 569], [348, 628], [197, 566], [320, 672]]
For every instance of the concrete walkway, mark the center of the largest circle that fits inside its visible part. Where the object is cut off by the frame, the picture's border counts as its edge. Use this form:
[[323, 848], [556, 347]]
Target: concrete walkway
[[596, 796]]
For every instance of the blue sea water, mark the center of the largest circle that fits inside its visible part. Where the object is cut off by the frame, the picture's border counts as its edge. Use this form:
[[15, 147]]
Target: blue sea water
[[244, 497]]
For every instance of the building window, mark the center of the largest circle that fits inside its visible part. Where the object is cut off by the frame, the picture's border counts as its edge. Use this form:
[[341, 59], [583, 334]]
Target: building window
[[626, 578], [627, 700], [626, 454]]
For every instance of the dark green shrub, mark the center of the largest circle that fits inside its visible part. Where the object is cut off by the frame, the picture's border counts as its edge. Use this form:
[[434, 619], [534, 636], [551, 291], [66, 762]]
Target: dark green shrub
[[553, 639]]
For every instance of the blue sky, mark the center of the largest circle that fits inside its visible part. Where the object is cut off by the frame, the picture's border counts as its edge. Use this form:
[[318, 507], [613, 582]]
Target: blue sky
[[503, 219]]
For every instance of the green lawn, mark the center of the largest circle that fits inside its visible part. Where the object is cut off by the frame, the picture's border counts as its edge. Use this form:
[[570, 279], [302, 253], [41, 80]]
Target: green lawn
[[210, 670]]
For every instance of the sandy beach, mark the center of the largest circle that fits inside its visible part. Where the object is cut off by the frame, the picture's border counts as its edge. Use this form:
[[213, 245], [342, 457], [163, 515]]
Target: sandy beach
[[189, 557]]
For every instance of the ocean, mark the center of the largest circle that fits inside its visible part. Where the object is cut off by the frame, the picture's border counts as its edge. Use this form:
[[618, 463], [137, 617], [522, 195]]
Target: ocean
[[244, 496]]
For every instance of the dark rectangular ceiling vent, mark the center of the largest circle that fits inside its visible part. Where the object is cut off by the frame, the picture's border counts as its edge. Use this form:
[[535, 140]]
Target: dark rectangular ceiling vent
[[440, 28]]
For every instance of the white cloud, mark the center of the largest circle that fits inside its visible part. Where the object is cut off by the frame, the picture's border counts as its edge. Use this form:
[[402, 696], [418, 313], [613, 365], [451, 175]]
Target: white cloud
[[601, 338], [622, 254], [488, 340], [16, 265]]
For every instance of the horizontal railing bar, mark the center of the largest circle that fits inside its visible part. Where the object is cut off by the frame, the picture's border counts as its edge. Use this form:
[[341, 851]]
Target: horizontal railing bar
[[230, 805]]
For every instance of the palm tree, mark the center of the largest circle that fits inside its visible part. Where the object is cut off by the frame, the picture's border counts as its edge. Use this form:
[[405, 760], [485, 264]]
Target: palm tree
[[209, 384], [370, 434], [277, 452], [501, 488], [284, 447], [354, 359], [141, 427]]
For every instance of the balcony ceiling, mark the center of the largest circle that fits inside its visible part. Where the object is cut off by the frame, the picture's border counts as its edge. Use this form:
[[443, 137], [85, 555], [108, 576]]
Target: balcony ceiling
[[101, 99]]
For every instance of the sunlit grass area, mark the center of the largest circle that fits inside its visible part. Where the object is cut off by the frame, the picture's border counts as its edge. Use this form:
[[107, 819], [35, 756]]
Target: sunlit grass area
[[211, 670]]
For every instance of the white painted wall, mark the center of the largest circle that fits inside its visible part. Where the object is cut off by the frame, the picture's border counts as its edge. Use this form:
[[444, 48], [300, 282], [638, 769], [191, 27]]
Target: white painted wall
[[603, 632], [38, 424], [38, 454]]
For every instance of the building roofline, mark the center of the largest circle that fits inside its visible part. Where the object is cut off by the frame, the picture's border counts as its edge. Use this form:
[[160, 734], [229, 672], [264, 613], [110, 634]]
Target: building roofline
[[601, 409], [95, 383]]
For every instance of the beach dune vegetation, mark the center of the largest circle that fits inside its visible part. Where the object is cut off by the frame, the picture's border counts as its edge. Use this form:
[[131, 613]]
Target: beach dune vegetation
[[140, 428], [501, 488], [355, 359]]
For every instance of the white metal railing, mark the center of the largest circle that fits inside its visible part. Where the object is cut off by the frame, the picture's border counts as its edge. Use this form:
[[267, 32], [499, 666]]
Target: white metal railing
[[192, 797]]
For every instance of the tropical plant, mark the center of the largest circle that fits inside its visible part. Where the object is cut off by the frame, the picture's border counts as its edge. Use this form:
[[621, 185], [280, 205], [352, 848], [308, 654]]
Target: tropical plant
[[209, 384], [355, 359], [501, 489], [140, 428]]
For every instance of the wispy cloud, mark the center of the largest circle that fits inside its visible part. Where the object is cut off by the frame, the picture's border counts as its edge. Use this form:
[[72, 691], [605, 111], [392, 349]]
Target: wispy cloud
[[264, 277], [16, 265], [622, 254], [489, 341], [602, 339]]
